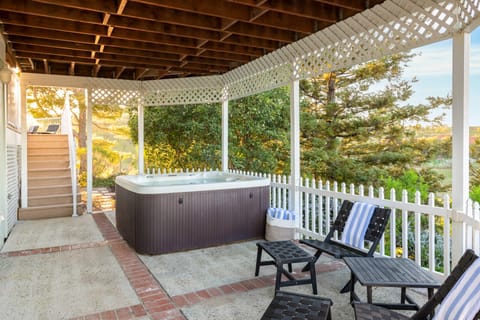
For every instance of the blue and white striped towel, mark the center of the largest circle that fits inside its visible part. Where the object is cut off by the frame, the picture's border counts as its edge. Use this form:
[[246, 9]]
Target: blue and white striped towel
[[463, 300], [357, 224], [281, 214]]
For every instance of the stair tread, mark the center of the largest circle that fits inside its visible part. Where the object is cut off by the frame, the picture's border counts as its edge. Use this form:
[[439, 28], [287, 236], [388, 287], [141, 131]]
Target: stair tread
[[52, 196], [63, 205], [46, 178], [47, 169], [49, 186]]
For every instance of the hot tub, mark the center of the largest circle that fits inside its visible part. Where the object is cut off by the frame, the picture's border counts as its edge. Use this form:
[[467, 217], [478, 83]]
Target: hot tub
[[174, 212]]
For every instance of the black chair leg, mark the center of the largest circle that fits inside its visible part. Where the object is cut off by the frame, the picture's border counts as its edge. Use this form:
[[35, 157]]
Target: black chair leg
[[313, 277], [278, 277], [316, 255], [290, 268], [347, 287], [259, 259]]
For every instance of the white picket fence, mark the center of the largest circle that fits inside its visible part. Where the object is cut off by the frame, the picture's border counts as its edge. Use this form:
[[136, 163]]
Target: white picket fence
[[416, 230]]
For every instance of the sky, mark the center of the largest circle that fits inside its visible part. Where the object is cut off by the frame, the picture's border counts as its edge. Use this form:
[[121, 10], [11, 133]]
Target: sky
[[433, 70]]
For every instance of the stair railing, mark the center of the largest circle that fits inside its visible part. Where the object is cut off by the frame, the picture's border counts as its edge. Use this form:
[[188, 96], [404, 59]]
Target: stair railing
[[66, 128]]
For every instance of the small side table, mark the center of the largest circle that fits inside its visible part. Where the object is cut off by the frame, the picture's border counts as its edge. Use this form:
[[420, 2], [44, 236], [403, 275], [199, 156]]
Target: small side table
[[390, 272], [286, 252]]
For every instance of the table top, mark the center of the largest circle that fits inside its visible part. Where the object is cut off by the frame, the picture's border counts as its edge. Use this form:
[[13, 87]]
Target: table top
[[285, 251], [390, 272]]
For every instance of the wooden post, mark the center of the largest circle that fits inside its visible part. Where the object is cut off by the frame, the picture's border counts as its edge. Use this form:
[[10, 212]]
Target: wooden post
[[460, 140]]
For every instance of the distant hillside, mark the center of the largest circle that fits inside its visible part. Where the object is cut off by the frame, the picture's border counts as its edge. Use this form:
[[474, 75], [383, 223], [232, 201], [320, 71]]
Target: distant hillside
[[443, 132]]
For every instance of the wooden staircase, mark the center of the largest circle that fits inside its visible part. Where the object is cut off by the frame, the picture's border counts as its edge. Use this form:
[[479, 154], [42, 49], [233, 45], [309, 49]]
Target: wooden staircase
[[49, 178]]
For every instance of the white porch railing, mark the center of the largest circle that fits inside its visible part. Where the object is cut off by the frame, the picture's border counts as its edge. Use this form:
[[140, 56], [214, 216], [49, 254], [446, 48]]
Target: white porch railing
[[418, 231]]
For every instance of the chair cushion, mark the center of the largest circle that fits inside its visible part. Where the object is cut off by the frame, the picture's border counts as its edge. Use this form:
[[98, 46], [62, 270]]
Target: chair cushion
[[357, 224], [463, 300]]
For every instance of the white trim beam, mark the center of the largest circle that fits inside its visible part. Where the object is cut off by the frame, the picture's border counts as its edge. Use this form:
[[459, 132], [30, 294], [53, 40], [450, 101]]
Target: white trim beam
[[141, 146], [460, 139], [295, 146], [225, 135], [89, 152]]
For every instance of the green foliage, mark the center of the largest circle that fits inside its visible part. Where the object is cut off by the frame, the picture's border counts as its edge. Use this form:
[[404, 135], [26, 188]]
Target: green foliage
[[411, 181], [259, 132], [475, 193], [190, 136], [354, 134], [107, 182], [181, 136]]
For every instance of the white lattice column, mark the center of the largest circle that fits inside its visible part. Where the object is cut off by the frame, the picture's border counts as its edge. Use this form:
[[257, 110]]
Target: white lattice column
[[460, 139], [295, 147], [141, 146], [225, 135], [89, 127]]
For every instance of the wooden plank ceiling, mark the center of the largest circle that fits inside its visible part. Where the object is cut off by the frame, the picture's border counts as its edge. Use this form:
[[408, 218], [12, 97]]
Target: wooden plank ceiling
[[155, 39]]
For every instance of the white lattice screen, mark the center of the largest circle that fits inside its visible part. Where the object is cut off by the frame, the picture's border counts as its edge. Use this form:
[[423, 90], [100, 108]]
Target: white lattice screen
[[393, 26]]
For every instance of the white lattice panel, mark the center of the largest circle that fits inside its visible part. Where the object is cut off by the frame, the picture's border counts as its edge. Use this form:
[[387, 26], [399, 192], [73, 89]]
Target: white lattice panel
[[182, 91], [114, 97], [269, 79]]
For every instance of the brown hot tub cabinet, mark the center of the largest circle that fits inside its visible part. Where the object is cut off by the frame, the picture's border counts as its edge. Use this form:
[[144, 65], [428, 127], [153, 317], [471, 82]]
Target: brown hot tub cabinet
[[168, 222]]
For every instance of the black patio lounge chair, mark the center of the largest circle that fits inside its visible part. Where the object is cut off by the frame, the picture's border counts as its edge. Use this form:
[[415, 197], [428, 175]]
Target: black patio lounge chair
[[337, 249], [288, 305], [450, 290], [33, 129], [51, 129]]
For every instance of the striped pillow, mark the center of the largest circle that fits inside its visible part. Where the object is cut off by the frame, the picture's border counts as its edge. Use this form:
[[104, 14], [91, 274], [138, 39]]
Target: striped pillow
[[282, 214], [357, 224], [463, 301]]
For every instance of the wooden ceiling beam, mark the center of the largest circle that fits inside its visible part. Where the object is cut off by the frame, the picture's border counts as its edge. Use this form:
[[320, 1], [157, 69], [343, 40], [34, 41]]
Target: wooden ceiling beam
[[305, 9], [98, 6], [53, 43], [126, 60], [126, 34], [71, 71], [29, 7], [119, 71], [142, 53], [288, 22], [234, 49], [357, 5], [52, 51], [226, 56], [42, 56], [140, 73], [212, 8], [266, 33], [248, 41], [146, 12], [48, 34], [140, 45], [164, 28], [51, 23]]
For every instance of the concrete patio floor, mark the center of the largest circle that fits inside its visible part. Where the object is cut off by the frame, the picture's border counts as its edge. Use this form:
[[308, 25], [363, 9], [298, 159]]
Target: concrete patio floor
[[80, 268]]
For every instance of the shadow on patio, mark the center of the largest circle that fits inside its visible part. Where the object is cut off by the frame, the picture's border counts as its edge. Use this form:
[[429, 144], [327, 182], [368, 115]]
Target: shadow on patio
[[81, 268]]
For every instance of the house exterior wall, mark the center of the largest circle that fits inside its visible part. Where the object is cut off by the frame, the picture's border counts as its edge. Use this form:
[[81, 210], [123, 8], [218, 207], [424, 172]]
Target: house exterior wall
[[10, 140]]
